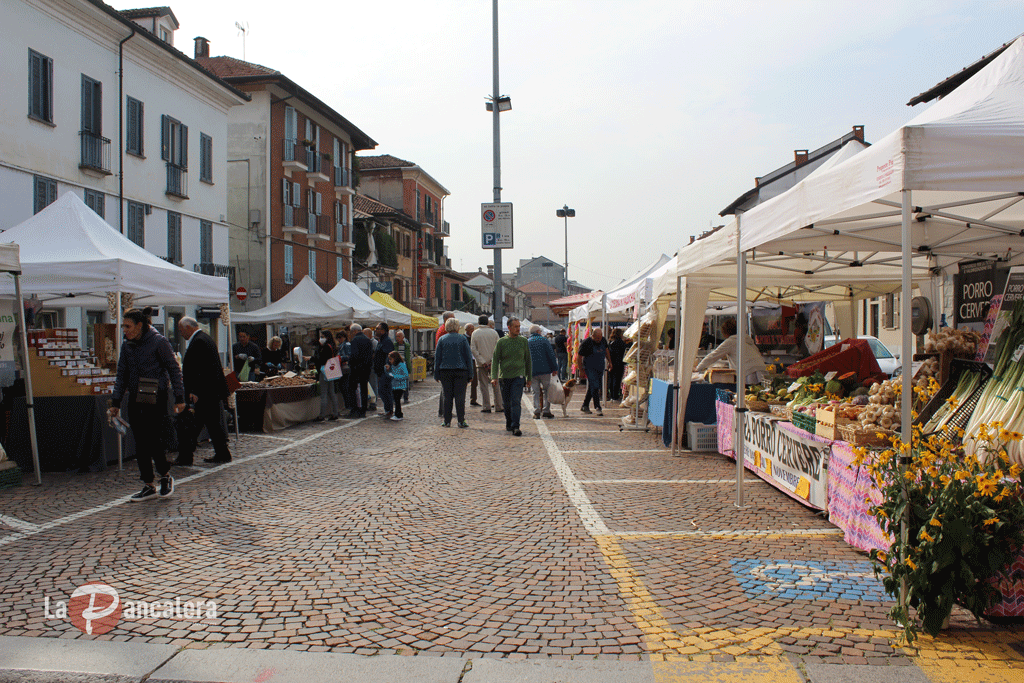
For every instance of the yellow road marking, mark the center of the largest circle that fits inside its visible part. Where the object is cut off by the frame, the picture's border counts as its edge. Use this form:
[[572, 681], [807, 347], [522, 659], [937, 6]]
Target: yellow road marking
[[726, 672]]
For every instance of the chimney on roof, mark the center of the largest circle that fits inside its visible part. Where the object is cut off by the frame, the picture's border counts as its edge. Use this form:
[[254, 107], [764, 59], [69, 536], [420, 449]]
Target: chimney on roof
[[800, 156], [858, 132], [490, 272], [757, 181], [202, 47]]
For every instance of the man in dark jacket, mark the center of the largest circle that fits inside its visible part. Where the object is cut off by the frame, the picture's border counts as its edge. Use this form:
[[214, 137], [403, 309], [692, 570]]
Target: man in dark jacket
[[360, 363], [380, 358], [562, 355], [205, 389], [245, 350]]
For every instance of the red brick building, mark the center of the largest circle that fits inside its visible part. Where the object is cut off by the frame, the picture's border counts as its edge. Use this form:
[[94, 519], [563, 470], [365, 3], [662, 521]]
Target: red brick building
[[291, 179]]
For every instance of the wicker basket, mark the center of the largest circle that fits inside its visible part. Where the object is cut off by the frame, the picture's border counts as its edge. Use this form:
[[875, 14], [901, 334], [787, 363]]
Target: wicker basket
[[854, 435], [758, 406]]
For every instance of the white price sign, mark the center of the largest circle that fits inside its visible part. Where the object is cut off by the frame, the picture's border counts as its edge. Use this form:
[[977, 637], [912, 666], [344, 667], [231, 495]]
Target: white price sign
[[496, 224]]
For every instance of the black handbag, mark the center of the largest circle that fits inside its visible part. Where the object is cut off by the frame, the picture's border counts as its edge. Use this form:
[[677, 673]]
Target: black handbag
[[147, 391]]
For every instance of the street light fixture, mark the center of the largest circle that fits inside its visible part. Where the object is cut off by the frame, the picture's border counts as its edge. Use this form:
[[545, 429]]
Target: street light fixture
[[566, 213]]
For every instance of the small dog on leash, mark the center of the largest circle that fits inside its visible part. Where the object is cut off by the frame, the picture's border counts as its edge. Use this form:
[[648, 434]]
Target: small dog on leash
[[567, 389]]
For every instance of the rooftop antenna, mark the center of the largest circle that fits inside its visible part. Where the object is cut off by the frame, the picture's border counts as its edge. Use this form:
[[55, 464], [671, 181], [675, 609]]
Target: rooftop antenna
[[243, 28]]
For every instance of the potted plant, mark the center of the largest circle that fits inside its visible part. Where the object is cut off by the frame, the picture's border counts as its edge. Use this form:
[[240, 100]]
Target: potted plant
[[964, 515], [309, 143]]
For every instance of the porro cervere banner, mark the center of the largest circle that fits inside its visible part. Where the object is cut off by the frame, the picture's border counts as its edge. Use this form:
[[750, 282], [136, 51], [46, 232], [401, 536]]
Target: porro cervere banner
[[788, 458]]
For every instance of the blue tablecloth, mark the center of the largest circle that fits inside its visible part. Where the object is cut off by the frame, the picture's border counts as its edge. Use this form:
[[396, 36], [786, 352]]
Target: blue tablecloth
[[700, 404]]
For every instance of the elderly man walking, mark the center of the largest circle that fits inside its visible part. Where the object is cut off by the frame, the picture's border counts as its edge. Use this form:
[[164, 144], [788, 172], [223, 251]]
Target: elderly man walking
[[205, 389], [482, 343], [441, 331], [360, 363], [512, 367], [542, 355]]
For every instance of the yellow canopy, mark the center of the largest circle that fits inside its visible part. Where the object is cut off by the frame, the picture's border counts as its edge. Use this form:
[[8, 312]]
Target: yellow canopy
[[419, 321]]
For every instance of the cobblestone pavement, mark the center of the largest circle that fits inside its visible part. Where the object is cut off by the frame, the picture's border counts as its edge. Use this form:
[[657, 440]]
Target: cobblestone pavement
[[379, 537]]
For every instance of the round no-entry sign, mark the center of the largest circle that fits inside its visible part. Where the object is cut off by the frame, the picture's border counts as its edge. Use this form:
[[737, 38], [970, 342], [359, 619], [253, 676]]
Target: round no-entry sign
[[241, 293]]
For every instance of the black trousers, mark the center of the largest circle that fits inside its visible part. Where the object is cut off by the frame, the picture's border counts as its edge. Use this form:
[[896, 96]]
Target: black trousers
[[207, 412], [361, 389], [453, 385], [146, 421]]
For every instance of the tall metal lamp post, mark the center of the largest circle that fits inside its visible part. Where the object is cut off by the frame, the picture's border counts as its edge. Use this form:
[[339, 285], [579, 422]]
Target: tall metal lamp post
[[496, 105], [566, 213]]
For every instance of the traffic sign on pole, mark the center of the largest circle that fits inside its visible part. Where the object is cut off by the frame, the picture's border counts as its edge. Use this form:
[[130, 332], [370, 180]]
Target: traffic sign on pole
[[496, 223], [240, 293]]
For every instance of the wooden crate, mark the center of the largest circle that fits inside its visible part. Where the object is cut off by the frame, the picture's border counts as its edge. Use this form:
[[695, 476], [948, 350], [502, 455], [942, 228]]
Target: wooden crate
[[828, 425], [721, 376]]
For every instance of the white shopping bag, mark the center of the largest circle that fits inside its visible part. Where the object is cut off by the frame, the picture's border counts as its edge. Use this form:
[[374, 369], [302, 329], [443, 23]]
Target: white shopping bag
[[555, 393], [332, 368]]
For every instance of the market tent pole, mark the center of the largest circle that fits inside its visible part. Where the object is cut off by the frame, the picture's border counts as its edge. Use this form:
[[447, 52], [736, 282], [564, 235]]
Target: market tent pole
[[604, 330], [741, 379], [677, 417], [117, 336], [29, 407], [906, 380]]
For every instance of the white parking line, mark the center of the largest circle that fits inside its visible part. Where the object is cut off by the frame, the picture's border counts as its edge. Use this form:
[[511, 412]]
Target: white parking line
[[733, 533], [630, 450], [666, 481], [16, 523], [61, 521]]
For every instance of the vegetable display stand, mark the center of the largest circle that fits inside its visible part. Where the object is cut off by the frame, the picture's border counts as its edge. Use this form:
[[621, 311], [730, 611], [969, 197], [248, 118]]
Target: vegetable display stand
[[967, 380], [805, 421]]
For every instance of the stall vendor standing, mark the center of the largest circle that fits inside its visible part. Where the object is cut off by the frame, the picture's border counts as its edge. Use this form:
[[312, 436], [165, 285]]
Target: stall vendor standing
[[245, 351], [753, 364]]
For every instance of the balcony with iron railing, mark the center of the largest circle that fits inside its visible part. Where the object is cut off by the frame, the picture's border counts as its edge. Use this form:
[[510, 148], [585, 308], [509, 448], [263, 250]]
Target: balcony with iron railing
[[343, 179], [177, 181], [428, 218], [218, 270], [316, 166], [443, 230], [294, 154], [343, 236], [95, 153], [295, 219], [319, 225]]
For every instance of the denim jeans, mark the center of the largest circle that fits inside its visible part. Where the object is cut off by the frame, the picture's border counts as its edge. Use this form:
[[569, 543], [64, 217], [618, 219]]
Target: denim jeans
[[512, 397], [594, 379], [563, 365]]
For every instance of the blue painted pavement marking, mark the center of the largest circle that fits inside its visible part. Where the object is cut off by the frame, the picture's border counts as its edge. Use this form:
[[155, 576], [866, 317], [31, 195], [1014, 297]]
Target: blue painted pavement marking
[[803, 580]]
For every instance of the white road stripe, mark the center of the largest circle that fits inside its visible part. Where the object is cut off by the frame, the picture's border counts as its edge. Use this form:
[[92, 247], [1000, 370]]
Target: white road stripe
[[16, 523], [584, 508], [665, 481], [585, 431], [736, 533], [268, 436], [631, 450], [46, 526]]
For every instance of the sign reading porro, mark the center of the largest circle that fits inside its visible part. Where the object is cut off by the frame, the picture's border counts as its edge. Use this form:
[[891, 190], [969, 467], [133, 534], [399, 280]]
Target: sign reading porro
[[791, 462], [496, 224]]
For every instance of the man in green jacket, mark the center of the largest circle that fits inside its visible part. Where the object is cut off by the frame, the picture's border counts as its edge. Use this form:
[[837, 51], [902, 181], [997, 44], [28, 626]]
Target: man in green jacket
[[512, 368]]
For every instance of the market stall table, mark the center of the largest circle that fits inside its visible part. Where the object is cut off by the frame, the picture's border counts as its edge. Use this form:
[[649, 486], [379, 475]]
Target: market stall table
[[268, 409]]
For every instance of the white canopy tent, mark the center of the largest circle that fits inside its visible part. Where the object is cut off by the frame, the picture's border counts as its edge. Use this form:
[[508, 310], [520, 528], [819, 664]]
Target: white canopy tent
[[305, 304], [365, 309], [625, 295], [946, 186], [72, 257]]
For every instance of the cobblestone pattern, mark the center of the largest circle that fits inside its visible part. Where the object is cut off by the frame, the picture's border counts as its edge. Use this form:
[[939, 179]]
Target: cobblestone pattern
[[378, 536]]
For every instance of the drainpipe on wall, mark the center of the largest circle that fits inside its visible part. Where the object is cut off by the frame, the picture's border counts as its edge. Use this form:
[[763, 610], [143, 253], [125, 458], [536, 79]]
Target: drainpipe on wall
[[120, 130]]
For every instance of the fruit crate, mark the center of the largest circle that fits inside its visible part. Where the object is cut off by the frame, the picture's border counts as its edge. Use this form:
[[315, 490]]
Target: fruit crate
[[702, 437]]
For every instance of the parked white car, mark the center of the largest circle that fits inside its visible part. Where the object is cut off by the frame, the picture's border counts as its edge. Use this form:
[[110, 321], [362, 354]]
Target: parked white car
[[888, 362]]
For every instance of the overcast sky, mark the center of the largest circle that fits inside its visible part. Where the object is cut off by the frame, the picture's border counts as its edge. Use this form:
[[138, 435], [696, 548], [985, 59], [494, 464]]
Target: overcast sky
[[646, 117]]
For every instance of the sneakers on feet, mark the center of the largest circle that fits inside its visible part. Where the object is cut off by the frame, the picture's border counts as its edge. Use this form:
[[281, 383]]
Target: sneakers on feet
[[549, 415], [463, 424], [517, 432], [147, 493], [598, 412], [395, 418], [446, 424], [585, 410], [536, 415], [166, 485]]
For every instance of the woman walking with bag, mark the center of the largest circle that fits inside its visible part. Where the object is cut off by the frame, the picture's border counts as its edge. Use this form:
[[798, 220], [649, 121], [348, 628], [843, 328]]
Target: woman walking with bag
[[328, 399], [146, 371]]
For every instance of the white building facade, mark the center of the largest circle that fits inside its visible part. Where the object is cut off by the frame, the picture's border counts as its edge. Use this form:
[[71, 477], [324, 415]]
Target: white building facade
[[117, 115]]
